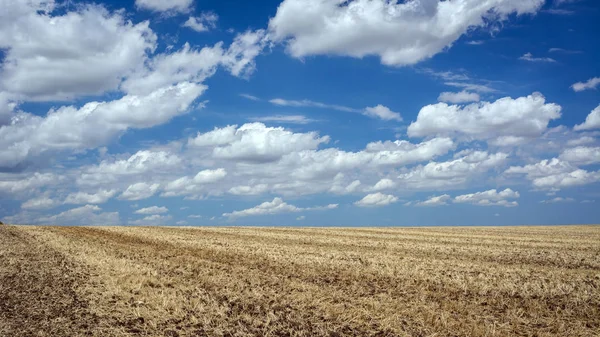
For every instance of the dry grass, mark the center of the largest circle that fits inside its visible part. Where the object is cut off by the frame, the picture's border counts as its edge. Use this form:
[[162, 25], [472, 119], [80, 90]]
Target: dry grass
[[525, 281]]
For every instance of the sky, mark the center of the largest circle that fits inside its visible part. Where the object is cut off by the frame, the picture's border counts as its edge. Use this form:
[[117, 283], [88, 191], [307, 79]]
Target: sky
[[300, 112]]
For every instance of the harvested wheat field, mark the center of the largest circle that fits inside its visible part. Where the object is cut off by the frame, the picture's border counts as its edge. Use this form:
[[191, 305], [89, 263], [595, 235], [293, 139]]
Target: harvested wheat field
[[119, 281]]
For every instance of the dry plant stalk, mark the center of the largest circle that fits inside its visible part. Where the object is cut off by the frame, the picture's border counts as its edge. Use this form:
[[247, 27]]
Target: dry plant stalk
[[119, 281]]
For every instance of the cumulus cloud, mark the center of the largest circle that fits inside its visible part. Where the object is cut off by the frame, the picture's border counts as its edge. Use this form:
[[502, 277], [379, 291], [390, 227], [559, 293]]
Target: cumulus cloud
[[592, 121], [581, 155], [382, 112], [376, 200], [458, 97], [276, 206], [10, 184], [175, 6], [554, 174], [440, 200], [525, 117], [141, 163], [592, 83], [53, 57], [255, 142], [88, 215], [452, 173], [490, 198], [202, 23], [30, 136], [152, 210], [99, 197], [152, 220], [39, 203], [400, 33], [139, 191]]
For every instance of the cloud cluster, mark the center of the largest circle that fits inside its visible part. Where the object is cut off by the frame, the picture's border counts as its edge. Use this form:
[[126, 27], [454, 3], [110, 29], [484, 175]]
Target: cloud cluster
[[400, 33]]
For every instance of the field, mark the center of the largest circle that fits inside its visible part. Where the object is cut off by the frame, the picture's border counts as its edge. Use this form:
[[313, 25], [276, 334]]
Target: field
[[119, 281]]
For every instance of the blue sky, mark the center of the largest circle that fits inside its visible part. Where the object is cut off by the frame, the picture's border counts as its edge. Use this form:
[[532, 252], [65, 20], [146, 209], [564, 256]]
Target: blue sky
[[299, 112]]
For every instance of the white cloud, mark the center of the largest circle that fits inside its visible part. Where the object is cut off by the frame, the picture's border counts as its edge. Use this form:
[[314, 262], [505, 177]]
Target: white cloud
[[250, 97], [180, 6], [51, 57], [30, 136], [581, 141], [39, 203], [276, 206], [195, 216], [581, 155], [152, 220], [210, 176], [300, 218], [99, 197], [311, 104], [525, 116], [564, 51], [140, 163], [400, 33], [249, 190], [440, 200], [453, 173], [152, 210], [283, 119], [490, 198], [555, 174], [592, 121], [458, 97], [590, 84], [255, 142], [384, 184], [139, 191], [378, 111], [471, 86], [88, 215], [10, 185], [202, 23], [529, 57], [557, 200], [382, 112], [376, 200], [181, 222]]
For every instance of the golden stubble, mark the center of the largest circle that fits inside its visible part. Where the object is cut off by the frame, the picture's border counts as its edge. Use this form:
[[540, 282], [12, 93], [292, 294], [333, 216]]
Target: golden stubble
[[529, 281]]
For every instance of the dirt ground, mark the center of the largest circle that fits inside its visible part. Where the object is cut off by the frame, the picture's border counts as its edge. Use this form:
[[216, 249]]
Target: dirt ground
[[132, 281]]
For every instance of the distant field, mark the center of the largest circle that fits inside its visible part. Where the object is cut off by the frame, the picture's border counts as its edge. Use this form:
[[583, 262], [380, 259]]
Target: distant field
[[116, 281]]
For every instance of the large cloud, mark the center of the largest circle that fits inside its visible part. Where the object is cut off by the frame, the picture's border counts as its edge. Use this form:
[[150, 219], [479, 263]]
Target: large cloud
[[60, 57], [401, 33], [94, 124], [525, 117], [554, 174], [592, 121]]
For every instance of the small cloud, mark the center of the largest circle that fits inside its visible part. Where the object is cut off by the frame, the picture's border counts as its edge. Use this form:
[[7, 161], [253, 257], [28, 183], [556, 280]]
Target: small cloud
[[588, 201], [475, 42], [590, 84], [564, 51], [382, 112], [557, 200], [558, 11], [202, 23], [529, 58], [250, 97], [283, 119], [194, 216], [300, 218], [182, 222], [497, 214]]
